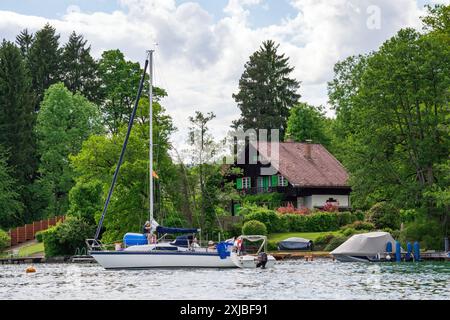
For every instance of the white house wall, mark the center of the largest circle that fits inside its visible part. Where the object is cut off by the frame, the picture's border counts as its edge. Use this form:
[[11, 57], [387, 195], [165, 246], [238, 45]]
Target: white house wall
[[318, 200]]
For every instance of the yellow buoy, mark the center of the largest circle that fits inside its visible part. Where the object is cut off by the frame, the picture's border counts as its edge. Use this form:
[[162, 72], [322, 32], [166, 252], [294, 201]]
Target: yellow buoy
[[30, 269]]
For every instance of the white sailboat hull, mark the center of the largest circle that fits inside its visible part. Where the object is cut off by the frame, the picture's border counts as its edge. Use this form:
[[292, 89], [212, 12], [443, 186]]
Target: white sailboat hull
[[144, 260]]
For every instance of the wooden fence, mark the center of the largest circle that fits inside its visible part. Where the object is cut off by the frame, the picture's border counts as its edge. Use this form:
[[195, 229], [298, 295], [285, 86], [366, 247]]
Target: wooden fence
[[28, 231]]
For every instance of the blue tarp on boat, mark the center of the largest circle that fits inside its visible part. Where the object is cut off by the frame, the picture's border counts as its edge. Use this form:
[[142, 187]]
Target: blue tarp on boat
[[160, 229]]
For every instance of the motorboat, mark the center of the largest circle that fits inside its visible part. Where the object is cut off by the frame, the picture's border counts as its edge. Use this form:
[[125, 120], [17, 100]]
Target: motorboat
[[366, 247], [295, 243]]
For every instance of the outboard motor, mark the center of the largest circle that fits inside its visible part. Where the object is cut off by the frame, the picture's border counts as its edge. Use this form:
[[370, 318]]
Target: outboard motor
[[262, 260]]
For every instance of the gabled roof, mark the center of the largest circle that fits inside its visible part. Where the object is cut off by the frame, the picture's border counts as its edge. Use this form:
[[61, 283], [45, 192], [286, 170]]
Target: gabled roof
[[322, 169]]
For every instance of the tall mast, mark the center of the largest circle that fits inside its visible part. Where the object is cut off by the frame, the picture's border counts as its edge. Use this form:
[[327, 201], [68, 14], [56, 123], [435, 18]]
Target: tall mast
[[150, 53]]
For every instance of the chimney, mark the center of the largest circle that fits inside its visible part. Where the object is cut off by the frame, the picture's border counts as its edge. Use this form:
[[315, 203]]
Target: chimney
[[308, 148]]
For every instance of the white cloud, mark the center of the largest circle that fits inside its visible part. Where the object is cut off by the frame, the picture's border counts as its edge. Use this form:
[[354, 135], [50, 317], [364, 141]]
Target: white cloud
[[199, 60]]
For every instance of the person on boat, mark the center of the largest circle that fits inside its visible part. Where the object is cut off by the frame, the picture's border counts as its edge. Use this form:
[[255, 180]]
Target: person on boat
[[211, 245], [148, 232]]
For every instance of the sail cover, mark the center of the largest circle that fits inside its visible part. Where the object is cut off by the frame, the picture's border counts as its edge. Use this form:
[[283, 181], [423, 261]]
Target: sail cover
[[160, 229], [365, 244]]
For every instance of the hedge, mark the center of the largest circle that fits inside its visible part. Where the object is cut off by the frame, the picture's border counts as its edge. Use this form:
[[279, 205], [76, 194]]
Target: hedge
[[315, 222]]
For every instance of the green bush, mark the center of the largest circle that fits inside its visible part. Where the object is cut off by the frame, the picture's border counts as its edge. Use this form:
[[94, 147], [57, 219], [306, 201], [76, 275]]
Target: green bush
[[384, 215], [65, 238], [271, 220], [4, 240], [254, 227], [40, 236], [272, 245], [335, 242], [325, 239], [322, 221], [359, 215], [429, 233], [346, 218], [360, 225]]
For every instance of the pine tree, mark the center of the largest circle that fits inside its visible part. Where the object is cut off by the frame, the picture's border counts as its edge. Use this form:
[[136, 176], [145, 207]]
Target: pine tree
[[24, 40], [79, 69], [17, 118], [266, 93], [44, 61]]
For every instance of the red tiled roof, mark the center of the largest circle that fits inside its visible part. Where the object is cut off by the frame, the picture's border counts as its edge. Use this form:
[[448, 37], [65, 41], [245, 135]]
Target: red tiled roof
[[322, 169]]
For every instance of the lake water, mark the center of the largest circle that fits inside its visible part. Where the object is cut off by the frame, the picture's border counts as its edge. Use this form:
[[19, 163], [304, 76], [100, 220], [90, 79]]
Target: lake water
[[294, 279]]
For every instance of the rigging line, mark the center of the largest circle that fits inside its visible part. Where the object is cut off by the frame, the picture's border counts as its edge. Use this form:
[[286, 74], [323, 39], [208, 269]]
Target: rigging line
[[124, 147]]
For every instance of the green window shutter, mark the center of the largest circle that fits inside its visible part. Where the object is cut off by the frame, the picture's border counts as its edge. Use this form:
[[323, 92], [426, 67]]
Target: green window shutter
[[275, 181], [266, 182], [239, 183], [249, 182]]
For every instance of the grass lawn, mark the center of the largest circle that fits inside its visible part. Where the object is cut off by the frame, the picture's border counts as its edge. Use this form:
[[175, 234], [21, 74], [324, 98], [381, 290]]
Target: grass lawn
[[307, 235], [31, 249]]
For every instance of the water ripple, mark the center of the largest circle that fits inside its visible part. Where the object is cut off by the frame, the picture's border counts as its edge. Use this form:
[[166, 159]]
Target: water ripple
[[295, 279]]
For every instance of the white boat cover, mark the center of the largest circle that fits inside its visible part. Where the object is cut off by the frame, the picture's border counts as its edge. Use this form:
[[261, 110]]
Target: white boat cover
[[365, 244]]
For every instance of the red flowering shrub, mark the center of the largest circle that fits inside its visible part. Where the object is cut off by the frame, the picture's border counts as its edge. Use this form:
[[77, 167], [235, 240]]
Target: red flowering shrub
[[290, 209], [331, 207]]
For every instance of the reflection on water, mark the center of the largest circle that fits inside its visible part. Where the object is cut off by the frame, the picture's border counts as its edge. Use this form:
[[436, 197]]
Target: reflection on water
[[321, 279]]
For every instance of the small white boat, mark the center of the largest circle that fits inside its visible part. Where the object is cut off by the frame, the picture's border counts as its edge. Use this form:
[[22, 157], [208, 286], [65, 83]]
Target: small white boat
[[366, 247]]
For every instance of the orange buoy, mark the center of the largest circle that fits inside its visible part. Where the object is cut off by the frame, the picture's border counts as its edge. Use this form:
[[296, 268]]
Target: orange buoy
[[30, 269]]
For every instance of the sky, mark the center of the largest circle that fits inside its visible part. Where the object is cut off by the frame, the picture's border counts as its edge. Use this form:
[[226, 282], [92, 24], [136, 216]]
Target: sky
[[202, 46]]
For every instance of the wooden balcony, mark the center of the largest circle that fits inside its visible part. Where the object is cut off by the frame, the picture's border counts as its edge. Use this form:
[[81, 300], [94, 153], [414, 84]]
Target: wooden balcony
[[259, 190]]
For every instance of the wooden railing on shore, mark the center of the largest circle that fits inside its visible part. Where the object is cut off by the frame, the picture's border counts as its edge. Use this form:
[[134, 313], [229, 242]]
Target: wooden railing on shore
[[28, 231]]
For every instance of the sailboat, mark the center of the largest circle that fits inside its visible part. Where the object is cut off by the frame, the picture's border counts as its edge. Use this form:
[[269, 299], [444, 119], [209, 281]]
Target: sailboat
[[184, 251]]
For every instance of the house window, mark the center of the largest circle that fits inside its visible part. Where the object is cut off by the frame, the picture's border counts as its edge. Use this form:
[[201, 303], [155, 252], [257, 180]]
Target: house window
[[282, 181], [263, 183], [246, 183]]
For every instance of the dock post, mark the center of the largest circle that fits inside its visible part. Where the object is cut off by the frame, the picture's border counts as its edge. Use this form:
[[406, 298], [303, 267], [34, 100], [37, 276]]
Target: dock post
[[446, 244], [398, 252], [409, 251], [416, 251]]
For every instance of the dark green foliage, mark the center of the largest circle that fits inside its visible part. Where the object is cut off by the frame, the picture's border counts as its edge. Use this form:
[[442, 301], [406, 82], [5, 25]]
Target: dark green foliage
[[335, 242], [79, 69], [429, 234], [40, 236], [10, 206], [4, 240], [324, 240], [254, 227], [16, 124], [85, 200], [65, 238], [266, 93], [44, 61], [384, 215], [360, 225], [307, 122], [24, 40]]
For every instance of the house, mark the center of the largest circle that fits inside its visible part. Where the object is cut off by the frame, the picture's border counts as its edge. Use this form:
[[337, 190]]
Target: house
[[307, 175]]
